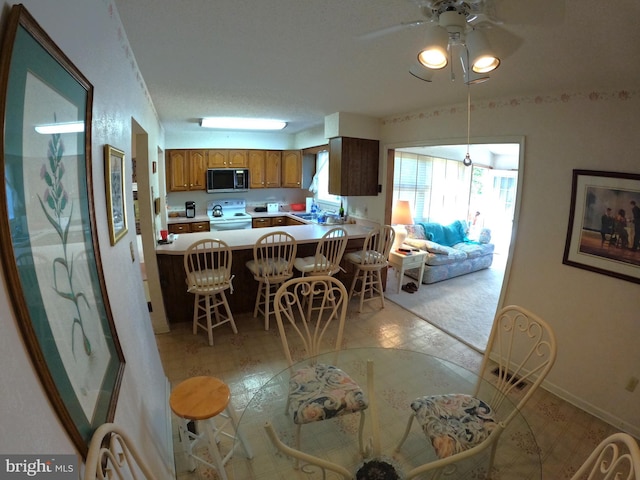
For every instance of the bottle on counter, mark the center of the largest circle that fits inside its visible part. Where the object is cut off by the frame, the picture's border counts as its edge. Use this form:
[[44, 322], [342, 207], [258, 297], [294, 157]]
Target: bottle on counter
[[341, 210]]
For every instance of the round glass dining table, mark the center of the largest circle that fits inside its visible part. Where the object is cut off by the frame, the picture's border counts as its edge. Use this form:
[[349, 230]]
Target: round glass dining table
[[399, 376]]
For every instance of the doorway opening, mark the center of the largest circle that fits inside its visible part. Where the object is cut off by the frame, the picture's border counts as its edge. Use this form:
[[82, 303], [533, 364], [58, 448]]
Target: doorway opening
[[441, 189]]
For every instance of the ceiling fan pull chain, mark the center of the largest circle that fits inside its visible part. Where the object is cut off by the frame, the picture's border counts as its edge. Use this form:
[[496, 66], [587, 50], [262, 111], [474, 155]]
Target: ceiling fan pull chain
[[467, 159]]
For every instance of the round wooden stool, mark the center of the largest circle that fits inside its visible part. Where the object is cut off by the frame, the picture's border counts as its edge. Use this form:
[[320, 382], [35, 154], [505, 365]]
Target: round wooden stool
[[201, 400]]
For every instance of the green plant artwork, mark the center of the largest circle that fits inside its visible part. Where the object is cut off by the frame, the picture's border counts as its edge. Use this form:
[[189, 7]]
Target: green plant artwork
[[55, 205]]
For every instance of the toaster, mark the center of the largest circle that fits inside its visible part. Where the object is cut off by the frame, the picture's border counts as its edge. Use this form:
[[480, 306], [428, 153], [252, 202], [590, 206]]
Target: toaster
[[272, 208]]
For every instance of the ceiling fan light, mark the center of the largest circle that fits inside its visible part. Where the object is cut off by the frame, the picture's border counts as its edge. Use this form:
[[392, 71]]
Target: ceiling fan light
[[434, 54], [485, 64], [471, 77], [481, 55]]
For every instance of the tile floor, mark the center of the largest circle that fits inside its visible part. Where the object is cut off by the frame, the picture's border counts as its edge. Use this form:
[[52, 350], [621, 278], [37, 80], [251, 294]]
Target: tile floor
[[565, 434]]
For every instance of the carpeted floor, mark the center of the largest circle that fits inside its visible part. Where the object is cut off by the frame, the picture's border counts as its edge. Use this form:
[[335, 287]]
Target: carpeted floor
[[463, 307]]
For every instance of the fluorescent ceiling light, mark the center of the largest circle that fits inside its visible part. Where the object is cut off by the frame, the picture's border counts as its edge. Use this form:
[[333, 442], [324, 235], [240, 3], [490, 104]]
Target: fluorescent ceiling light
[[70, 127], [235, 123]]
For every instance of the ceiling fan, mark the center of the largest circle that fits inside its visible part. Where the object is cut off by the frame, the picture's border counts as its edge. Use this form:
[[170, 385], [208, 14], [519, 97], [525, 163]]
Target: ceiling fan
[[482, 13], [475, 12], [473, 25]]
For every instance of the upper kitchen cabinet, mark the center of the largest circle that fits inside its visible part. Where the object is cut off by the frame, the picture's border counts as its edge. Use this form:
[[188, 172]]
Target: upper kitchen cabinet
[[353, 166], [264, 168], [238, 158], [197, 170], [222, 158], [292, 169], [217, 158], [186, 170]]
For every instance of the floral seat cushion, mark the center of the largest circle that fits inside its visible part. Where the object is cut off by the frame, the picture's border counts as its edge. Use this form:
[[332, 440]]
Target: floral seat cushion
[[319, 392], [454, 422]]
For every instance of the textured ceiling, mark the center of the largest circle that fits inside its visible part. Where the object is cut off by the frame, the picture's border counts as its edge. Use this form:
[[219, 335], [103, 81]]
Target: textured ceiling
[[302, 60]]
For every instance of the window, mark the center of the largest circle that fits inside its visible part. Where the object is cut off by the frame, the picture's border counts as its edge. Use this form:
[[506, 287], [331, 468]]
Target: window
[[437, 188], [320, 183], [443, 191]]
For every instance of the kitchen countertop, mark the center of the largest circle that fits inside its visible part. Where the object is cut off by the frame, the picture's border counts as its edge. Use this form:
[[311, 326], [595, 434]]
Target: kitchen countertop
[[246, 239], [205, 218]]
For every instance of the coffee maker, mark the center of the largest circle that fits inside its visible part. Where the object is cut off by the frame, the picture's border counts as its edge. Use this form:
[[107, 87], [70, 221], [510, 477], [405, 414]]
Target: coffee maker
[[190, 209]]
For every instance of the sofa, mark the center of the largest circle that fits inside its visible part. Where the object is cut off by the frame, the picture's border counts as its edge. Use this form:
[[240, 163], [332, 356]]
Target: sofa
[[450, 252]]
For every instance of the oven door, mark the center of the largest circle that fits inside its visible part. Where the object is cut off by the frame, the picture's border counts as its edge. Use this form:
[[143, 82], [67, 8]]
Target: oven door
[[229, 224]]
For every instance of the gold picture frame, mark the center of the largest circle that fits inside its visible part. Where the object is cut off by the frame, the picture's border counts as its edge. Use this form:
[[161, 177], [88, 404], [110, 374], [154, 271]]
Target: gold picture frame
[[114, 184]]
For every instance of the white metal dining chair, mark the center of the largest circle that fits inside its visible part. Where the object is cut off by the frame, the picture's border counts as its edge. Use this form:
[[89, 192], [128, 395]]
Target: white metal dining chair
[[272, 264], [520, 352], [369, 263], [112, 455], [318, 391], [207, 265], [617, 457]]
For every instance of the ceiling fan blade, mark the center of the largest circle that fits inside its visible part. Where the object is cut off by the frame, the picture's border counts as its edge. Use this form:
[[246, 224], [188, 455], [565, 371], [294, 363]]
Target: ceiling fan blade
[[392, 29], [503, 41], [528, 12]]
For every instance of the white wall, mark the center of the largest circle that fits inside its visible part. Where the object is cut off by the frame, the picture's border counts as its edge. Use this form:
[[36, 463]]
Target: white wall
[[595, 317], [90, 34]]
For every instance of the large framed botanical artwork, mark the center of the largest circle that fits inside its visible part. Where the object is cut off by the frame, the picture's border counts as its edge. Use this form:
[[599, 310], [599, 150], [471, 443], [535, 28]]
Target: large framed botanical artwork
[[604, 224], [49, 250]]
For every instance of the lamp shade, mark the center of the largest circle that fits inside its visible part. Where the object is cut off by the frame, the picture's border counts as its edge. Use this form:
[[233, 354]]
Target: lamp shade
[[470, 77], [481, 56], [402, 213], [434, 54], [421, 72]]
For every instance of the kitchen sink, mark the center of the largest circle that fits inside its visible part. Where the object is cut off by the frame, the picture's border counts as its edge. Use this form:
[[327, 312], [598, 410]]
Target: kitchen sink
[[306, 216]]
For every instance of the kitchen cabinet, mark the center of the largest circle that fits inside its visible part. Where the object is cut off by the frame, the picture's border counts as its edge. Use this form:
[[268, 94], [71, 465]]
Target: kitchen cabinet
[[292, 169], [264, 168], [217, 158], [257, 174], [188, 227], [177, 170], [272, 168], [223, 158], [238, 158], [353, 166], [186, 170], [197, 170], [262, 222]]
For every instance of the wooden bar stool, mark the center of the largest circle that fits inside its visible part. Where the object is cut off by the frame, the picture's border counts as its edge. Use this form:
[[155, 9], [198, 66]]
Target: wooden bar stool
[[202, 399]]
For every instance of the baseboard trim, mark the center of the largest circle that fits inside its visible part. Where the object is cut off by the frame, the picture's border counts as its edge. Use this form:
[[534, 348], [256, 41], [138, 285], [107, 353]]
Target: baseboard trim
[[587, 407], [591, 409]]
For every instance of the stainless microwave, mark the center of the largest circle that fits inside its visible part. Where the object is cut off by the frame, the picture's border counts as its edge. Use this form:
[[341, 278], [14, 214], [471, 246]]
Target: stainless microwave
[[227, 180]]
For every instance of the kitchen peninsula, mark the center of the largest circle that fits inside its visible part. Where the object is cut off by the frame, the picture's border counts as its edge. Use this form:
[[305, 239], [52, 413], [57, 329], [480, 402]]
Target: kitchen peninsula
[[179, 303]]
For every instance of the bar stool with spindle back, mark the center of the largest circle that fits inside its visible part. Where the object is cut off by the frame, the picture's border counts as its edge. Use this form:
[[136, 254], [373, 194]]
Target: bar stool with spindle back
[[201, 400]]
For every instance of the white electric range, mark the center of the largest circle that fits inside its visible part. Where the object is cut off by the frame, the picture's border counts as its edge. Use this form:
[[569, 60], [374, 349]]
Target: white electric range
[[228, 215]]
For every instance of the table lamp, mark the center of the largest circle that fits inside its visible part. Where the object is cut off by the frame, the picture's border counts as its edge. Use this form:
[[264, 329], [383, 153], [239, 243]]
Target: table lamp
[[401, 215]]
